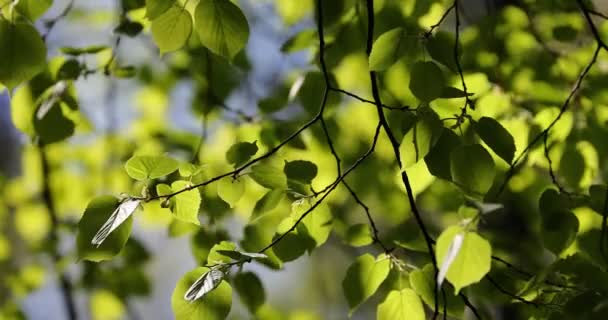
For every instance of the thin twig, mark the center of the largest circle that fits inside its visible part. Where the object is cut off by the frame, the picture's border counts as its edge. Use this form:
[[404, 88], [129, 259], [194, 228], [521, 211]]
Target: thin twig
[[50, 24], [352, 95], [433, 27]]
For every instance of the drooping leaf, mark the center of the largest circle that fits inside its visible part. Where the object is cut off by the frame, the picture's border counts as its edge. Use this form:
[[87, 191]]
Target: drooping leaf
[[268, 176], [426, 81], [363, 278], [150, 167], [390, 47], [172, 29], [250, 289], [438, 159], [215, 305], [419, 140], [472, 169], [22, 53], [268, 202], [496, 137], [231, 190], [239, 153], [473, 260], [221, 26], [401, 305], [155, 8], [98, 211], [300, 170]]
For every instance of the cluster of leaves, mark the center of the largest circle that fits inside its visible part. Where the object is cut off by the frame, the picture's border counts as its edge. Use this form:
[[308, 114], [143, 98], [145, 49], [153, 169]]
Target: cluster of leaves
[[458, 192]]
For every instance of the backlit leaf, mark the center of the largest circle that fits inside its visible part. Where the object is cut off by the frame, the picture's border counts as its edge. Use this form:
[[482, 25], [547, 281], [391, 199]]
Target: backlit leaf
[[221, 26], [22, 53], [496, 137], [363, 278], [150, 167], [472, 169], [172, 29], [230, 190], [401, 305], [426, 81], [215, 305]]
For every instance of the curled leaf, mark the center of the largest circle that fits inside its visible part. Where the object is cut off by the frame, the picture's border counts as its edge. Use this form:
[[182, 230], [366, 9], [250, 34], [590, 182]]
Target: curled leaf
[[124, 211]]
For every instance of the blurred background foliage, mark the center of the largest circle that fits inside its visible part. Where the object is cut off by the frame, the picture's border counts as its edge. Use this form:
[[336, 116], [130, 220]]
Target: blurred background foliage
[[520, 61]]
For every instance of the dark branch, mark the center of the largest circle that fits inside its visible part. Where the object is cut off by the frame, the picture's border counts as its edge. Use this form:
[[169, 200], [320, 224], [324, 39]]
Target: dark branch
[[352, 95]]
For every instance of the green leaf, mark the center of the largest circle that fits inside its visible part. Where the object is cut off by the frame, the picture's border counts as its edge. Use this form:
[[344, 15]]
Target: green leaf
[[551, 200], [186, 204], [215, 256], [268, 202], [572, 166], [311, 91], [496, 137], [359, 235], [54, 126], [221, 26], [472, 169], [85, 50], [597, 194], [300, 41], [451, 92], [316, 225], [231, 190], [390, 47], [155, 8], [22, 53], [250, 289], [441, 48], [558, 229], [426, 81], [70, 70], [240, 153], [363, 278], [124, 72], [564, 33], [293, 245], [473, 260], [422, 282], [401, 305], [268, 176], [300, 170], [95, 215], [150, 167], [419, 140], [188, 169], [438, 159], [215, 305], [202, 242], [172, 29], [33, 9]]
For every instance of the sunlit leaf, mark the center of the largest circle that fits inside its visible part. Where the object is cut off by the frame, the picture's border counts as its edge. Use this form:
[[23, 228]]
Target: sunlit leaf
[[472, 261], [496, 137], [268, 176], [389, 47], [363, 278], [401, 305], [358, 235], [231, 190], [150, 167], [172, 29], [239, 153], [422, 282], [155, 8], [419, 140], [268, 202], [221, 26]]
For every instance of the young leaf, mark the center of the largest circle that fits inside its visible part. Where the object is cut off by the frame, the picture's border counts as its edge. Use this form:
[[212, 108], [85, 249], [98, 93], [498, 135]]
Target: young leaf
[[250, 289], [388, 48], [400, 305], [268, 202], [123, 212], [203, 285], [300, 170], [186, 204], [150, 167], [221, 26], [155, 8], [172, 29], [268, 176], [471, 263], [496, 137], [426, 81], [472, 169], [97, 213], [22, 53], [188, 169], [419, 140], [231, 190], [239, 153], [363, 278]]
